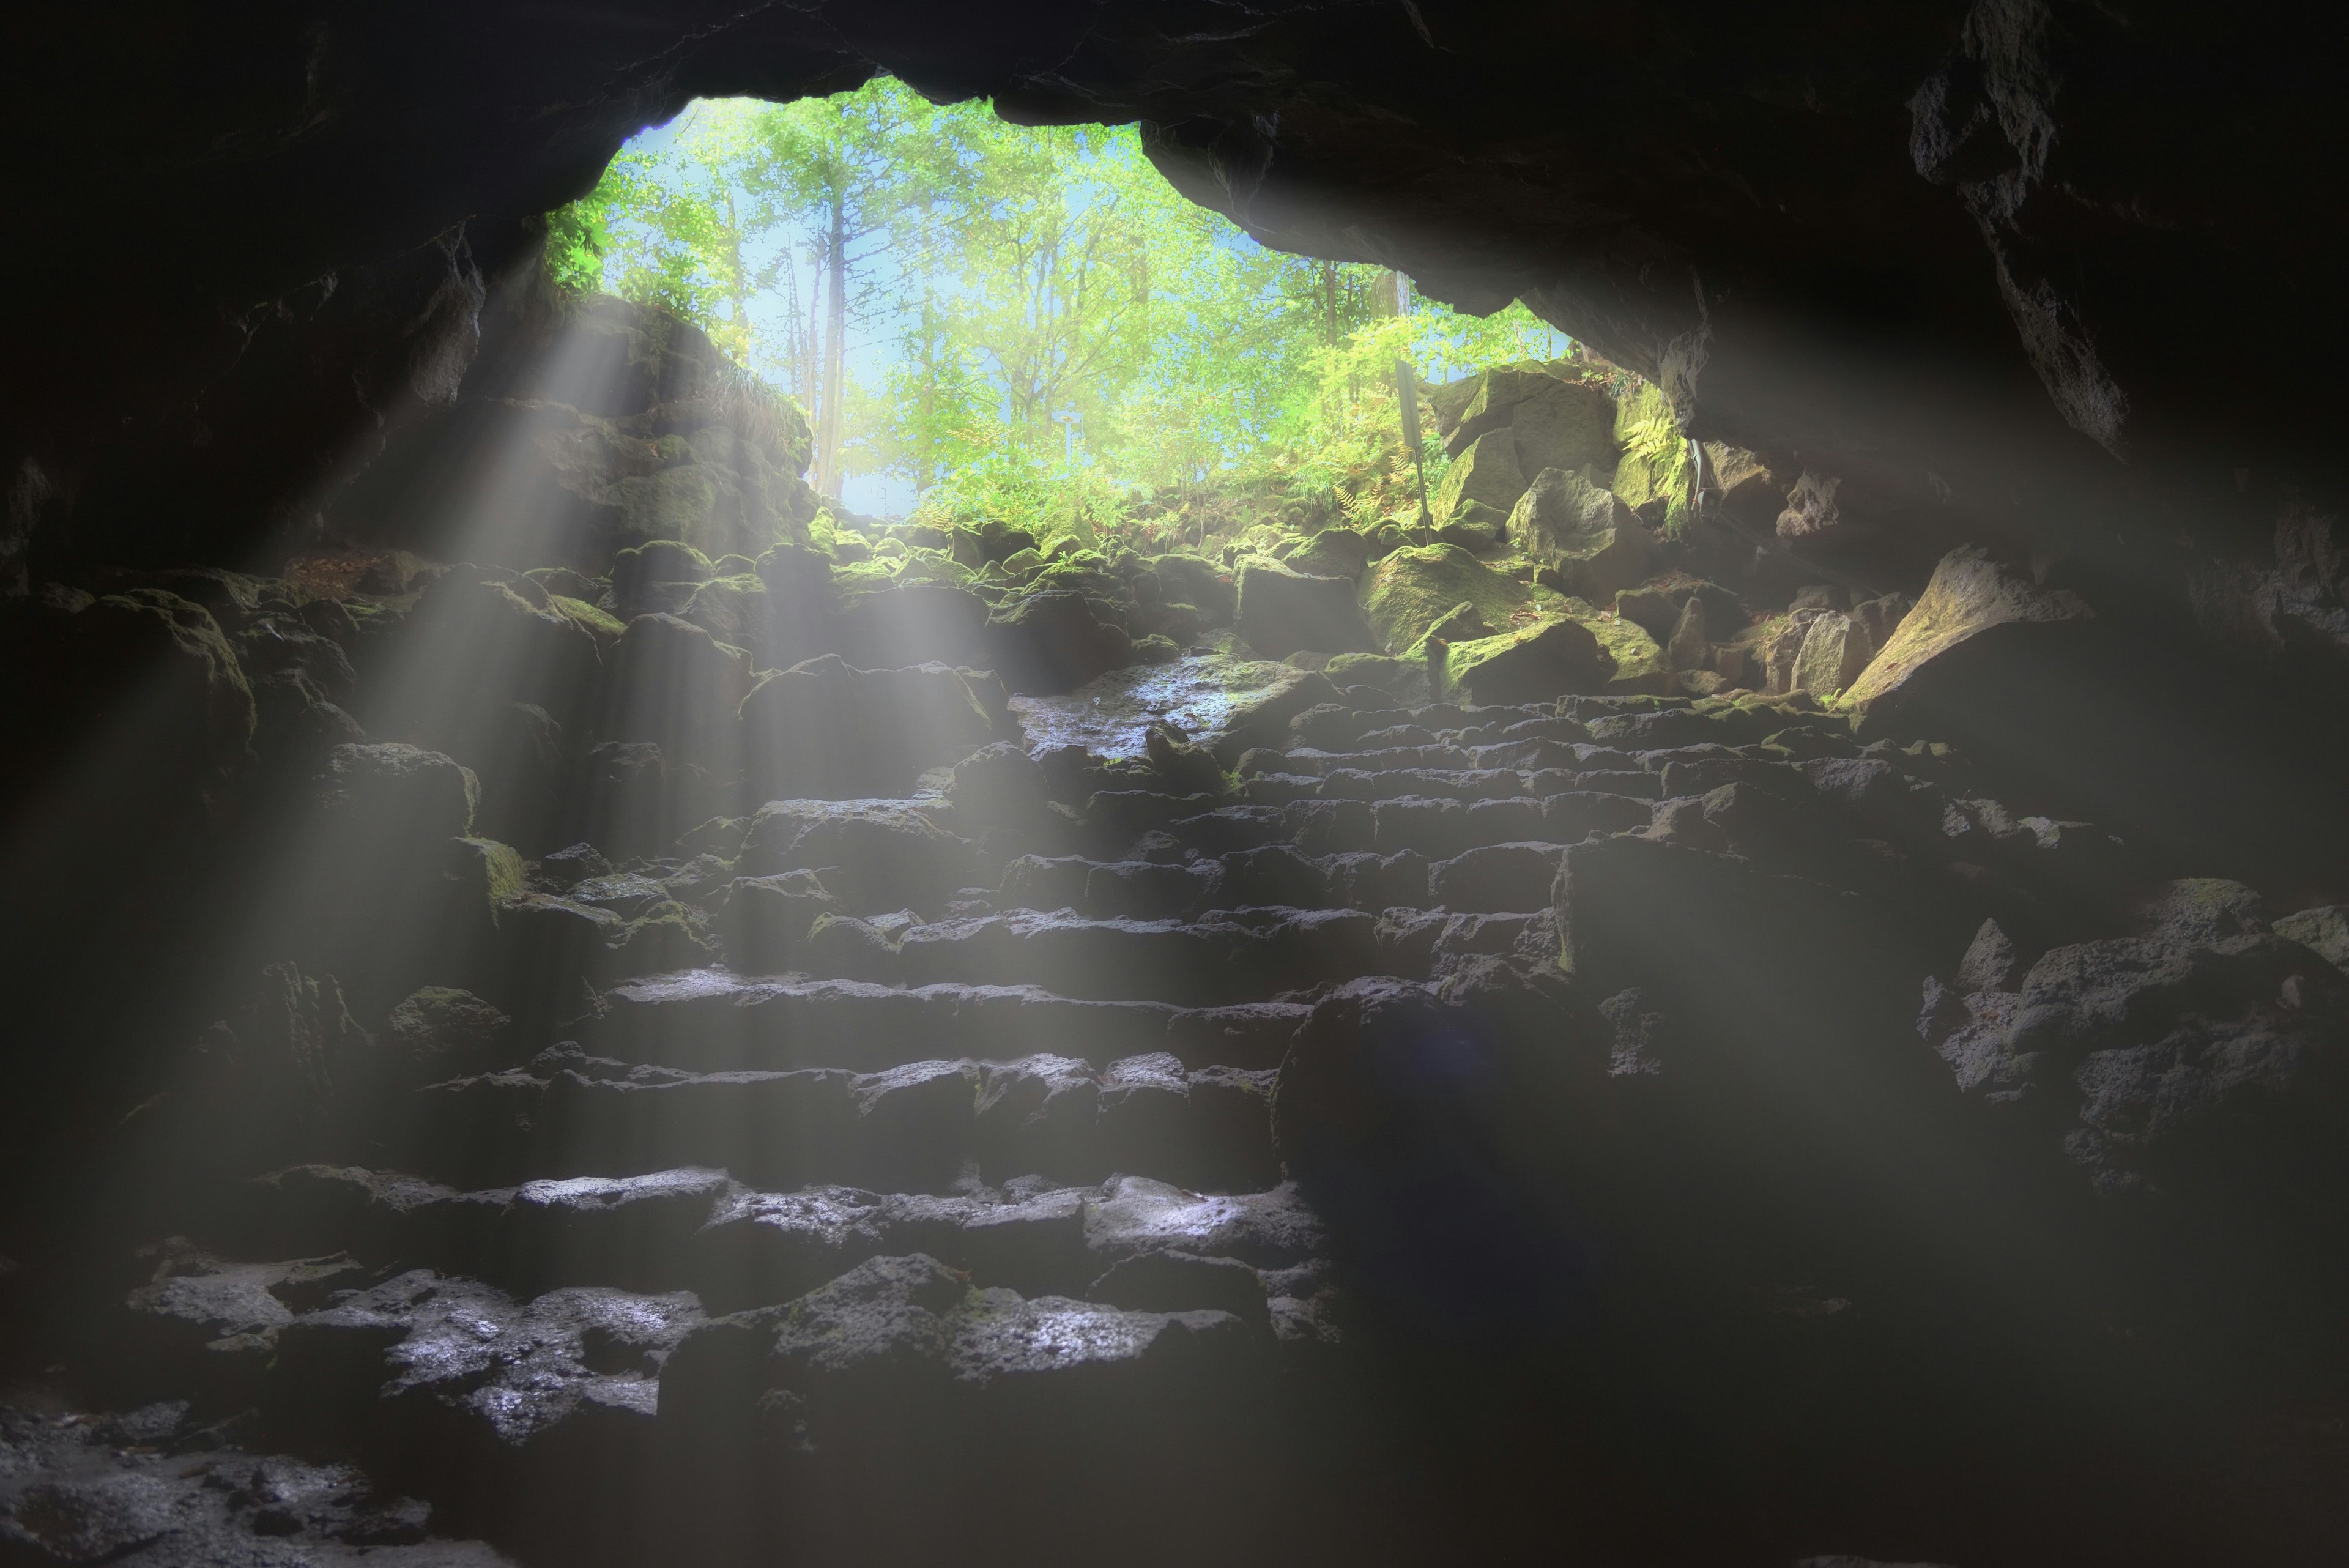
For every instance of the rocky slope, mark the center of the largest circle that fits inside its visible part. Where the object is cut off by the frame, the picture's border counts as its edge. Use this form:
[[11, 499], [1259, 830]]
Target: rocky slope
[[907, 1042]]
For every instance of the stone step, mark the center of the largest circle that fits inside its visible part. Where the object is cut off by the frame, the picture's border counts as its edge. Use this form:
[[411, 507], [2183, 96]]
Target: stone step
[[1220, 958], [711, 1021], [913, 1127], [698, 1230]]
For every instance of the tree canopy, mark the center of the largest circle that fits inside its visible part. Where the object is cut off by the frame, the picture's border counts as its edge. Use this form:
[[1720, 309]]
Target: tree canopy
[[977, 309]]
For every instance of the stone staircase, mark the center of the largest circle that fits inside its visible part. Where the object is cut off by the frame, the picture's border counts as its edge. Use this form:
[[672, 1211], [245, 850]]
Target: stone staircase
[[955, 1212], [1006, 1162]]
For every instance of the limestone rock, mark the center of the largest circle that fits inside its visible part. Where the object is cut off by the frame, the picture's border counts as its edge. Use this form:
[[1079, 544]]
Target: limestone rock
[[1281, 612], [1583, 531]]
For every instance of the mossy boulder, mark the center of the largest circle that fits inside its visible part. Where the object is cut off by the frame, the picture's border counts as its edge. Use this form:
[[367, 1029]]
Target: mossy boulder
[[391, 789], [1189, 579], [882, 623], [1639, 664], [1585, 534], [1657, 604], [1975, 611], [1483, 483], [1531, 665], [1408, 591], [1283, 612], [1332, 553], [1052, 641], [1565, 425], [1402, 678]]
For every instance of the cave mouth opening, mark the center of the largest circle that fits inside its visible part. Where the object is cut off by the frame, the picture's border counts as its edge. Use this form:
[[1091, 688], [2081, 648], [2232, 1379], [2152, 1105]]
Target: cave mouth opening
[[657, 1005]]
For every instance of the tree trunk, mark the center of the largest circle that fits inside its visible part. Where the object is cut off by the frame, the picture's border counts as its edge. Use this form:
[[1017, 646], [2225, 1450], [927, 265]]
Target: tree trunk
[[1329, 302], [738, 285], [835, 332]]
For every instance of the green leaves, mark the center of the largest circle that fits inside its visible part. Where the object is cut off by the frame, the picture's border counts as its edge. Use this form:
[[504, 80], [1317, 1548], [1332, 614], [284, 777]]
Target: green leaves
[[1037, 325]]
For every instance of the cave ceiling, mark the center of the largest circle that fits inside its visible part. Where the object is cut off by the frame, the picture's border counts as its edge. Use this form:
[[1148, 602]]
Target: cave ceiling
[[2002, 248]]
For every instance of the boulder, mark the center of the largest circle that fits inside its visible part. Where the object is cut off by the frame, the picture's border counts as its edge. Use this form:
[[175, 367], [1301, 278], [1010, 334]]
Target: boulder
[[1835, 650], [270, 1080], [659, 575], [1331, 553], [2325, 931], [1282, 612], [1812, 513], [890, 624], [1656, 606], [1534, 665], [1052, 641], [1187, 579], [1483, 483], [825, 729], [1640, 667], [1584, 532], [1565, 425], [634, 800], [475, 640], [673, 684], [437, 1034], [392, 791], [1978, 621], [1411, 590]]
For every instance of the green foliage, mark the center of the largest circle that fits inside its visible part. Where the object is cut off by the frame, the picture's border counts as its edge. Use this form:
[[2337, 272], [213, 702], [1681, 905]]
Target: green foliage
[[1063, 342], [1655, 453]]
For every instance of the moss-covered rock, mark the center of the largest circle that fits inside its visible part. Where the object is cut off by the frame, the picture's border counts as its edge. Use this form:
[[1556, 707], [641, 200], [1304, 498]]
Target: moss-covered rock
[[1282, 612], [1402, 678], [1585, 534], [600, 624], [1657, 604], [1532, 665], [1409, 590], [1565, 425], [1189, 579], [1483, 483], [1332, 553], [1052, 641], [1640, 666]]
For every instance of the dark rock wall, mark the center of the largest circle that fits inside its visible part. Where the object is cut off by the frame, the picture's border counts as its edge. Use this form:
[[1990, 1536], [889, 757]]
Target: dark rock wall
[[2002, 244]]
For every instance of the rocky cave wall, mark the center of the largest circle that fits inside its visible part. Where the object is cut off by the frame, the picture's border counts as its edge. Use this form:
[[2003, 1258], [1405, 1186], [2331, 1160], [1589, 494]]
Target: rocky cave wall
[[2048, 278]]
